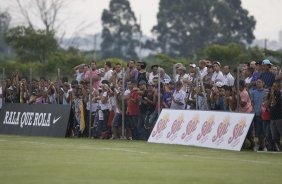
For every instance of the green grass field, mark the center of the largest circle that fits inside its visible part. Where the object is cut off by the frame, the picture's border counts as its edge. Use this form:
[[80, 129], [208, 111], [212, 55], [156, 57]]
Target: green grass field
[[51, 160]]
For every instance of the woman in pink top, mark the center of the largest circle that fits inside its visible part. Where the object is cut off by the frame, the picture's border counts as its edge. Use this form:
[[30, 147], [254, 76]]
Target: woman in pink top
[[245, 100]]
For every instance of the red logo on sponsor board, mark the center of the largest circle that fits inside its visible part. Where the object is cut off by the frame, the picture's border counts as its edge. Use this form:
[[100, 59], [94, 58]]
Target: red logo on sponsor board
[[161, 125], [191, 127], [221, 130], [237, 132], [176, 126], [206, 129]]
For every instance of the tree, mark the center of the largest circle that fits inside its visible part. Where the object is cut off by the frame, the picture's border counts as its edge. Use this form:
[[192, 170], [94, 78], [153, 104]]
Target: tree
[[4, 25], [187, 26], [44, 12], [32, 45], [120, 31]]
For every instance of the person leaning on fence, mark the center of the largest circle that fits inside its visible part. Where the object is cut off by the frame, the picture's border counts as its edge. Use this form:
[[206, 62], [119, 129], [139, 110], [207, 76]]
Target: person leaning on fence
[[133, 109], [217, 74], [266, 75], [228, 79], [258, 96], [275, 107], [178, 97], [143, 75], [131, 71], [96, 78], [143, 93]]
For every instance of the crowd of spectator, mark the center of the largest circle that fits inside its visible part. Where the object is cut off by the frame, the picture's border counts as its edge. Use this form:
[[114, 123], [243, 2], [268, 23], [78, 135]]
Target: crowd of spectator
[[133, 95]]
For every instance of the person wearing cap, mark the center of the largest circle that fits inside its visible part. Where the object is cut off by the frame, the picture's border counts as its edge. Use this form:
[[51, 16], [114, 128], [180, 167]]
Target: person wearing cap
[[184, 78], [176, 71], [154, 73], [178, 97], [217, 74], [267, 76]]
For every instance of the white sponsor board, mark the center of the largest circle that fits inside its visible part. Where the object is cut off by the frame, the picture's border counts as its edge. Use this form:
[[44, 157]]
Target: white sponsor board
[[211, 129]]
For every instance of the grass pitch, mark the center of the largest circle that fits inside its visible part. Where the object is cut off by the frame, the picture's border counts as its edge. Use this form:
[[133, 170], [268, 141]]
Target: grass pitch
[[34, 160]]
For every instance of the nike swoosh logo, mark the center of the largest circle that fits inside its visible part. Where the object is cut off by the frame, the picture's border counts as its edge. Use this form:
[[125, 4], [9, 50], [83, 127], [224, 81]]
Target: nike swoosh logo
[[55, 120]]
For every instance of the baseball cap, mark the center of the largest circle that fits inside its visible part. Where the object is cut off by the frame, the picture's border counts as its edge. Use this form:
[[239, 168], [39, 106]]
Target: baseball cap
[[217, 62], [266, 62], [193, 65]]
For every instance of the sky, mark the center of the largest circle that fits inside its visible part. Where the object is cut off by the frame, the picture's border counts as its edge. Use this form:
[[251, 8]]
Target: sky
[[84, 16]]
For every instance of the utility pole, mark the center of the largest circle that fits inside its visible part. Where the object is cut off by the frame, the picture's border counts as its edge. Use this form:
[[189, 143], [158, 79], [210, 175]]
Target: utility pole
[[265, 47], [140, 39]]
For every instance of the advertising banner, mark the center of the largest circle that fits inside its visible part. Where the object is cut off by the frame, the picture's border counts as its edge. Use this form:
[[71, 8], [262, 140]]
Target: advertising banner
[[211, 129], [35, 120]]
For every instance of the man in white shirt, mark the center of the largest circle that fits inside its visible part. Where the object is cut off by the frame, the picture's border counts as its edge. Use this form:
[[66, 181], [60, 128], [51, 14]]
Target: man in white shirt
[[228, 78], [178, 97], [154, 73], [202, 68], [108, 71], [217, 74]]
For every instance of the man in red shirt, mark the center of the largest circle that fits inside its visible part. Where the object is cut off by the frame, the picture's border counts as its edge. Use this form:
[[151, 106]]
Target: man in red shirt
[[133, 110]]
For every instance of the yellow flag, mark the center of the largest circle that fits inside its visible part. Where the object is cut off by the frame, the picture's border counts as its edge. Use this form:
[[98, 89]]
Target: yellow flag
[[82, 121]]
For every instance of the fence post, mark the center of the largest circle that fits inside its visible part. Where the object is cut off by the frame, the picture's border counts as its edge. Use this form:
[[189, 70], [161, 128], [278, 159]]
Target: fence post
[[238, 88], [90, 102], [123, 103]]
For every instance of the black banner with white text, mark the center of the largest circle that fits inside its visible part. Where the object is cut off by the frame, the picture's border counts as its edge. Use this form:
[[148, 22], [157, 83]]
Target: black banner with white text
[[36, 120]]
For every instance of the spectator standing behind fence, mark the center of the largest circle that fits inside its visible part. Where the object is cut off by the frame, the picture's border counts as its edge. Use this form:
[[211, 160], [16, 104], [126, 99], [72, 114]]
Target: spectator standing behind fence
[[96, 78], [202, 68], [165, 78], [108, 72], [153, 73], [256, 75], [117, 74], [117, 121], [79, 72], [258, 96], [133, 110], [228, 79], [142, 73], [143, 93], [178, 97], [217, 74], [275, 115], [267, 76], [249, 77], [131, 71]]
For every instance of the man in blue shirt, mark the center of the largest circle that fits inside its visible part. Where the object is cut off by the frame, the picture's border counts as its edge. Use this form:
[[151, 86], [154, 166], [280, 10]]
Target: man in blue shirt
[[267, 76], [258, 95]]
